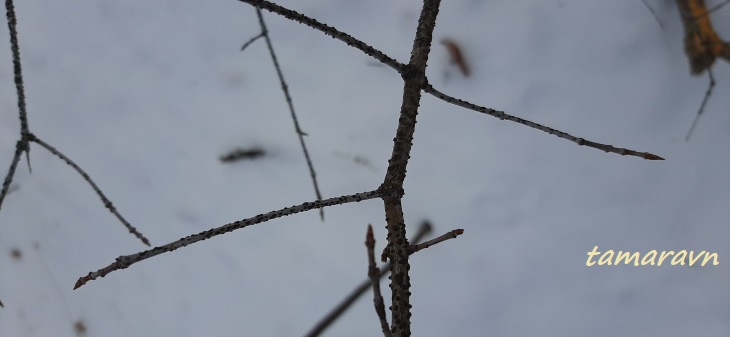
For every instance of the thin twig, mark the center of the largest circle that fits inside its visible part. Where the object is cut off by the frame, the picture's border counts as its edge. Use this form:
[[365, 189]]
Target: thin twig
[[107, 203], [20, 147], [653, 13], [380, 56], [253, 39], [331, 31], [287, 96], [503, 116], [424, 229], [708, 93], [123, 262], [717, 7], [450, 235], [374, 275]]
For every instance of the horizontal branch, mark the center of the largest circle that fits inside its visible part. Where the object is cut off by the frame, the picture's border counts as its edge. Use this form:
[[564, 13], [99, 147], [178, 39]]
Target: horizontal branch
[[123, 262], [450, 235], [503, 116], [329, 30]]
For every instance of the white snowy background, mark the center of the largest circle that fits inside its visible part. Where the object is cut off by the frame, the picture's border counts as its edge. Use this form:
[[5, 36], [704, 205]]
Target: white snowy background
[[146, 95]]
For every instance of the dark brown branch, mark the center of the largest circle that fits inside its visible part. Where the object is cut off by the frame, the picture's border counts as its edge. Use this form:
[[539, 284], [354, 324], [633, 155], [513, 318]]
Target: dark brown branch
[[107, 203], [450, 235], [332, 316], [287, 96], [374, 275], [123, 262], [503, 116], [331, 31], [414, 78]]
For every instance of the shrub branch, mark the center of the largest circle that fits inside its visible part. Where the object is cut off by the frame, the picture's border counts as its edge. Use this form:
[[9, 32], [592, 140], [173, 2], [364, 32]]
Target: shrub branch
[[123, 262]]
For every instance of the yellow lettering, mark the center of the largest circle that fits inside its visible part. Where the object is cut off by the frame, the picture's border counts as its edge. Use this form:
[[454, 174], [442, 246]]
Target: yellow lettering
[[693, 259], [707, 258], [679, 258], [651, 253], [591, 254], [664, 255], [606, 258], [627, 257]]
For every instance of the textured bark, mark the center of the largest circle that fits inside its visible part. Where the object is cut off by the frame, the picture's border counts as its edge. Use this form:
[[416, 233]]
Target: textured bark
[[414, 76]]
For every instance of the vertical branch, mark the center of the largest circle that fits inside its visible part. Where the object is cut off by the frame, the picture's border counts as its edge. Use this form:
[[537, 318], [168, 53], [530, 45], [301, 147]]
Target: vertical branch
[[17, 69], [285, 89], [374, 275], [23, 142], [323, 324], [414, 76]]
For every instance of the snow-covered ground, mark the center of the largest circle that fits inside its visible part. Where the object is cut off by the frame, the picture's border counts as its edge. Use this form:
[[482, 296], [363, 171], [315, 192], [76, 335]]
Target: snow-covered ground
[[146, 95]]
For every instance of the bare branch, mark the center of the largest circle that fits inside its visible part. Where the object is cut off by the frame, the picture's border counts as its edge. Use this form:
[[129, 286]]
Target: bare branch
[[374, 275], [653, 13], [123, 262], [503, 116], [331, 31], [252, 40], [332, 316], [287, 96], [450, 235], [17, 69], [22, 144], [107, 203], [414, 78], [708, 93], [20, 147]]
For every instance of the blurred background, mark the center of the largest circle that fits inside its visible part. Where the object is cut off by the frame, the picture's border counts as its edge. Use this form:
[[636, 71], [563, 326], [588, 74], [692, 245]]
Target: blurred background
[[146, 96]]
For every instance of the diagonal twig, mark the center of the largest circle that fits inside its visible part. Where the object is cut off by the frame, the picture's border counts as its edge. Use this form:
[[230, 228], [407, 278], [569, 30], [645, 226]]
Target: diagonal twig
[[329, 30], [123, 262], [252, 40], [382, 57], [287, 96], [708, 93], [653, 13], [502, 115], [107, 203], [20, 147], [450, 235]]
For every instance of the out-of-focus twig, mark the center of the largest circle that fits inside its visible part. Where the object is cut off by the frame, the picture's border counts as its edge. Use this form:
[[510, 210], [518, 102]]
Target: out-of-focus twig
[[708, 93]]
